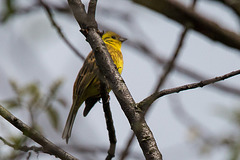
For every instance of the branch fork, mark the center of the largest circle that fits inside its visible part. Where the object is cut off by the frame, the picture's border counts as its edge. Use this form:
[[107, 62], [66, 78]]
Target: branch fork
[[109, 71]]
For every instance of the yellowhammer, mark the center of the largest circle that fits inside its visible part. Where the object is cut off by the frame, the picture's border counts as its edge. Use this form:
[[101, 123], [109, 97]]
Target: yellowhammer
[[87, 84]]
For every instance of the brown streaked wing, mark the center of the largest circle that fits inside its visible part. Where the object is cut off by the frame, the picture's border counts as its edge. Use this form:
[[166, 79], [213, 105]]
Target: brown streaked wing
[[85, 76]]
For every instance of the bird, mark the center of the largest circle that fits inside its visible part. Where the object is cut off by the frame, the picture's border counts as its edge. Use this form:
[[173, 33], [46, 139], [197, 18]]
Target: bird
[[87, 84]]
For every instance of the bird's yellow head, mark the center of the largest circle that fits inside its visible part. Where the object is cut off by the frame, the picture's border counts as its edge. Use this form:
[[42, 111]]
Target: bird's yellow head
[[113, 39]]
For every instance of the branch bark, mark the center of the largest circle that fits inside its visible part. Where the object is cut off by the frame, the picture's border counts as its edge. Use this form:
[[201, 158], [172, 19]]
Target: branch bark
[[47, 146], [109, 122], [183, 15], [109, 72], [144, 104]]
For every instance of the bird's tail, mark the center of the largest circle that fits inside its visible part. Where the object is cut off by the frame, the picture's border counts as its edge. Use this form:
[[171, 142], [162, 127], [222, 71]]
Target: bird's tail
[[70, 120]]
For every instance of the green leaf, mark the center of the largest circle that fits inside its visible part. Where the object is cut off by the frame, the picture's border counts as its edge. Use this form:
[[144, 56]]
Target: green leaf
[[12, 103], [10, 5], [54, 87], [32, 89], [18, 140], [53, 117], [9, 10], [14, 86], [62, 102], [34, 92]]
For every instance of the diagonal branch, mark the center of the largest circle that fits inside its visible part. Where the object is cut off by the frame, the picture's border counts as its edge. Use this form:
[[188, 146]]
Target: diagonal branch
[[183, 15], [47, 146], [186, 71], [109, 72], [59, 31], [144, 104], [170, 64]]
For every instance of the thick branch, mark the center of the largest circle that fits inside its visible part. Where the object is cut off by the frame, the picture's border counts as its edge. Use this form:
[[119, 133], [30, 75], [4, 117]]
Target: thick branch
[[48, 147], [84, 20], [136, 120], [149, 100], [184, 15], [110, 73]]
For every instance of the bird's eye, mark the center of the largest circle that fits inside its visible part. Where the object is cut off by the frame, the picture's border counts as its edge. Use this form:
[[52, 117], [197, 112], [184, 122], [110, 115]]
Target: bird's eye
[[114, 37]]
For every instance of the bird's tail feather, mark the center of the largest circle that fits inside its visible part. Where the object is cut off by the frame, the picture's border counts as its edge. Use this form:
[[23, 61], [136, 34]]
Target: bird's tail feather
[[70, 120]]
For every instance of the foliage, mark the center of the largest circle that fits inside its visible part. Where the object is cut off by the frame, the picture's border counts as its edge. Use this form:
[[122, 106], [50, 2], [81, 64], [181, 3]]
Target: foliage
[[30, 98]]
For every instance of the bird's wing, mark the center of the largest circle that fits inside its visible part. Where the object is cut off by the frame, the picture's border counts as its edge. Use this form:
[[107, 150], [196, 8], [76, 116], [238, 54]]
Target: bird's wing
[[86, 75]]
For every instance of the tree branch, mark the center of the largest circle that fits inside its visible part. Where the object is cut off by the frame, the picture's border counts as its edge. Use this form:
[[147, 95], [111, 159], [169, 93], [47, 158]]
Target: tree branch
[[163, 77], [169, 66], [186, 71], [22, 148], [125, 152], [110, 73], [183, 15], [144, 104], [47, 146], [59, 31], [145, 49], [109, 122]]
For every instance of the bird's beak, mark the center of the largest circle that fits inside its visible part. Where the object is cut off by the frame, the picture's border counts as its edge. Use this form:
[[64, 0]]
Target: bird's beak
[[122, 39]]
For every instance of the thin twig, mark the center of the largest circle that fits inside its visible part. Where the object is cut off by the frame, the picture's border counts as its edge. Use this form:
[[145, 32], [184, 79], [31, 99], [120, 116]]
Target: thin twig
[[109, 122], [22, 148], [125, 152], [144, 104], [170, 65], [183, 70], [59, 31]]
